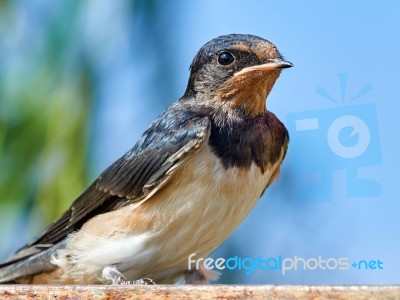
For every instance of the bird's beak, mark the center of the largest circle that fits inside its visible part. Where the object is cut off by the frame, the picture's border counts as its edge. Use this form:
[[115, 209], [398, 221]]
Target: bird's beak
[[271, 65]]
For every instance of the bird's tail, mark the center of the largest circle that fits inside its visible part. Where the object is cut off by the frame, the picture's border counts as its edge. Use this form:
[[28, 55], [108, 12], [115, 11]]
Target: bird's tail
[[18, 267]]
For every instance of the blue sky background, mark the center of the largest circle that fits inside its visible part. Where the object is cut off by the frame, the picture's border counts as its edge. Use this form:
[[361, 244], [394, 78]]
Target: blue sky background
[[141, 66]]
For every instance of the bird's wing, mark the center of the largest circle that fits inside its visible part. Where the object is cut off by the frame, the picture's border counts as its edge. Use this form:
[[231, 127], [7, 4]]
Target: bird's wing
[[149, 164]]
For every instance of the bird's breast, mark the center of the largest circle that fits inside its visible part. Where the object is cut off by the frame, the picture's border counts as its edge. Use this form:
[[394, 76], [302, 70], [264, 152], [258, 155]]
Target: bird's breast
[[255, 139], [203, 203]]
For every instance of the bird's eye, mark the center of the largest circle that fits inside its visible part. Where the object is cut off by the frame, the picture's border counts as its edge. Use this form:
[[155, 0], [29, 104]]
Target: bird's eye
[[225, 58]]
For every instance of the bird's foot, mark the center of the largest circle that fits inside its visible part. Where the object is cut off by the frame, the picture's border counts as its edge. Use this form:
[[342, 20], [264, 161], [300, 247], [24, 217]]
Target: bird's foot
[[145, 281], [111, 274], [201, 276]]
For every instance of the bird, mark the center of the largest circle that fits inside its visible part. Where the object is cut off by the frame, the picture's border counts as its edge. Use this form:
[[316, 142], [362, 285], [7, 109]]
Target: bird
[[183, 188]]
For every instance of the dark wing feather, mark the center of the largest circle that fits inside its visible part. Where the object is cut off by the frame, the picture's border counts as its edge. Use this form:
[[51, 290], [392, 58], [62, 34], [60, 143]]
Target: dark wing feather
[[162, 147]]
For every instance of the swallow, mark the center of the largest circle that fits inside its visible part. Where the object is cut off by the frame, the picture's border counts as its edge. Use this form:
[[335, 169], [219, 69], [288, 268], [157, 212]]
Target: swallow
[[184, 187]]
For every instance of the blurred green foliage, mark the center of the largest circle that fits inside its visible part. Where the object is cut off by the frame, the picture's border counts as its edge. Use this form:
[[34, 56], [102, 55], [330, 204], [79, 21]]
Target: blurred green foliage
[[45, 105], [53, 60]]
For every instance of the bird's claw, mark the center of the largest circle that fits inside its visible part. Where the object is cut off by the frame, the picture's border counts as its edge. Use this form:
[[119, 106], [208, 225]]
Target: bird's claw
[[145, 281]]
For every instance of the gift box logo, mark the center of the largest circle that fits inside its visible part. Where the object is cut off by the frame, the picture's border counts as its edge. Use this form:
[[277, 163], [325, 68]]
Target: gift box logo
[[343, 137]]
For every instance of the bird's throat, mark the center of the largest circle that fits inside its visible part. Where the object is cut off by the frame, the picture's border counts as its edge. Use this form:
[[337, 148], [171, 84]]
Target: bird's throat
[[248, 91]]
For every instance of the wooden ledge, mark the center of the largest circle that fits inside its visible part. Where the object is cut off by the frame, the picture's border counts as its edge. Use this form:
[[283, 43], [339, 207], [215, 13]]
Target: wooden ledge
[[177, 292]]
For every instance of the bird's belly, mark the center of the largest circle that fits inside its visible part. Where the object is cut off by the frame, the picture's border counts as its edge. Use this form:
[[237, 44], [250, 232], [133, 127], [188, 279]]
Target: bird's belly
[[198, 208]]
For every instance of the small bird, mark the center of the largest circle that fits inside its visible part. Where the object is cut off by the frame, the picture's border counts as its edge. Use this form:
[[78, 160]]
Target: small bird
[[183, 188]]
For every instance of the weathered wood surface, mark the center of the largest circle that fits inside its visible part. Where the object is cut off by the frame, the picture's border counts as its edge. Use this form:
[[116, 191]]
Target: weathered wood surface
[[177, 292]]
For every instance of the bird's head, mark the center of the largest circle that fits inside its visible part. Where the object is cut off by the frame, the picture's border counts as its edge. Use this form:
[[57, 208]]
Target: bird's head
[[236, 71]]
